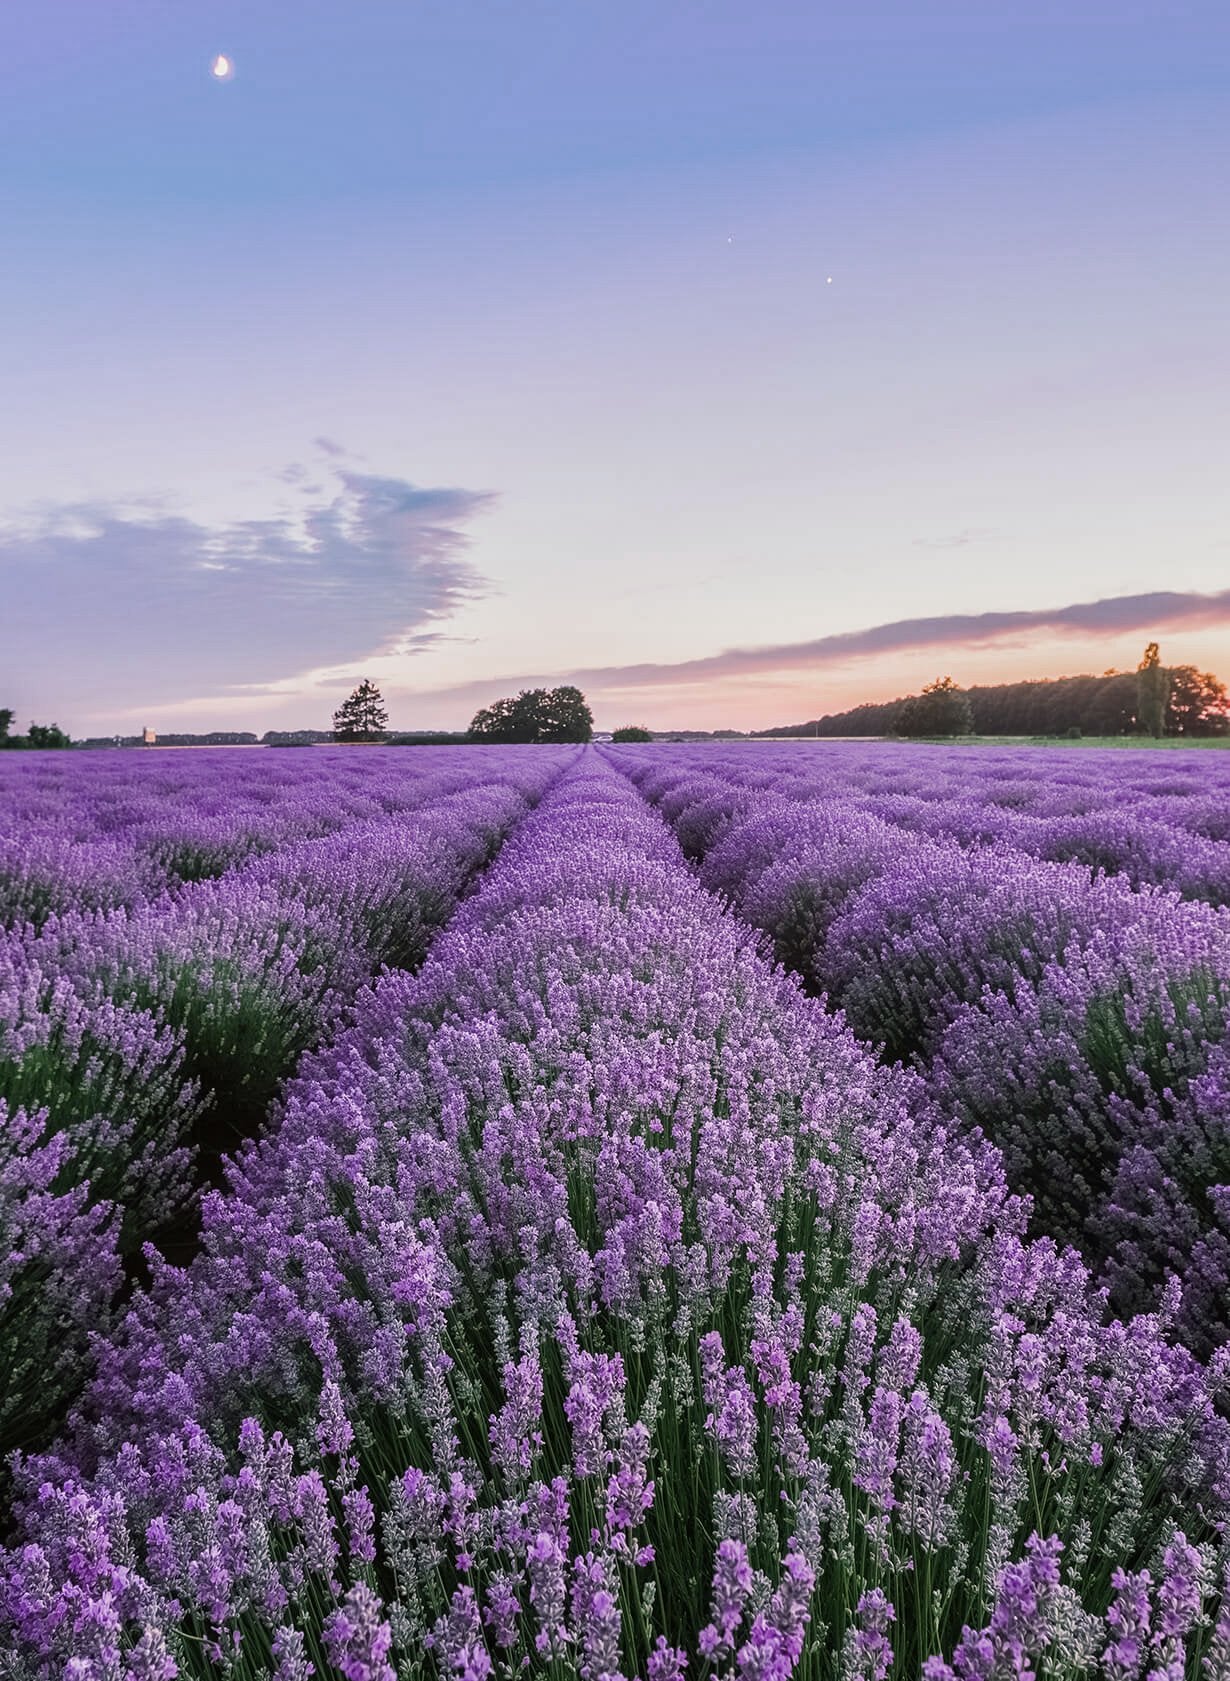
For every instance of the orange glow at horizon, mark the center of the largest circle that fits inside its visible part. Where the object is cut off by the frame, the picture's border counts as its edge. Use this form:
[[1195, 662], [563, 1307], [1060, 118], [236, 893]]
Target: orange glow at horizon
[[759, 702]]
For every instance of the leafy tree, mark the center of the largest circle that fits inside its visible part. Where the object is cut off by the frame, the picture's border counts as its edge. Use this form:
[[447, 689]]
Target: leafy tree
[[632, 732], [47, 735], [1198, 703], [565, 716], [362, 717], [6, 721], [1103, 703], [504, 720], [1152, 691], [535, 715], [942, 709]]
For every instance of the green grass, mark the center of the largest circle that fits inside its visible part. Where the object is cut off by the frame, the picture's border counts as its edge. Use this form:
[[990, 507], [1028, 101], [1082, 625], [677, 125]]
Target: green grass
[[1119, 741]]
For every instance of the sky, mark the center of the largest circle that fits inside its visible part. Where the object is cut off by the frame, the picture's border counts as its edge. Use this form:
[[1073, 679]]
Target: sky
[[739, 361]]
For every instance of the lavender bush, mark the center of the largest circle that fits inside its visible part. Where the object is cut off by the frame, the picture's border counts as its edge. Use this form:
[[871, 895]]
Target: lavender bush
[[59, 1270], [597, 1305], [1063, 1009], [1104, 1085], [138, 1041]]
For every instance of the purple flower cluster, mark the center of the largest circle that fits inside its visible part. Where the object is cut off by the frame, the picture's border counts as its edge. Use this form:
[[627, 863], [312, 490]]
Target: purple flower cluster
[[595, 1303], [58, 1272], [103, 829], [139, 1040], [1048, 942]]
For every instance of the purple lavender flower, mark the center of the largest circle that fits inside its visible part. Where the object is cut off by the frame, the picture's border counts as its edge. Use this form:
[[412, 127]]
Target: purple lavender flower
[[1128, 1621], [357, 1637], [869, 1652], [732, 1586], [596, 1244]]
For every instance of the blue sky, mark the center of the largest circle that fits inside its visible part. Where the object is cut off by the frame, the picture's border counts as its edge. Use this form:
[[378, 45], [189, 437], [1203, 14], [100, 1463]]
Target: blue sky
[[468, 345]]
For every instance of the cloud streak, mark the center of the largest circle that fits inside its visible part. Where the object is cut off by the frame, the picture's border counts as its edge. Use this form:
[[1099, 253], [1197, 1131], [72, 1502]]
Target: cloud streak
[[959, 539], [145, 606], [1116, 615]]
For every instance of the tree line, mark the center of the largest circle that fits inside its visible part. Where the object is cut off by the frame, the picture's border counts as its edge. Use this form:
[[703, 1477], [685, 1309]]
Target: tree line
[[38, 735], [1154, 700], [534, 715]]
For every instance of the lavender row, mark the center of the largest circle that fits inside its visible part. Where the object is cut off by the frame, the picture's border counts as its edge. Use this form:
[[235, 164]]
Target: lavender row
[[1189, 790], [599, 1306], [108, 829], [136, 1044], [1081, 1024], [1163, 825]]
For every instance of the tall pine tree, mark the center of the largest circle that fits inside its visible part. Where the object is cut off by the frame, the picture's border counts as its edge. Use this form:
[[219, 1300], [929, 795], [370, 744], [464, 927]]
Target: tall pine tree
[[363, 717]]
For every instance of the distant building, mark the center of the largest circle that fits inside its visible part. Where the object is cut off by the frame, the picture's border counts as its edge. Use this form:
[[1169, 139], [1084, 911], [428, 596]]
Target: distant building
[[148, 736]]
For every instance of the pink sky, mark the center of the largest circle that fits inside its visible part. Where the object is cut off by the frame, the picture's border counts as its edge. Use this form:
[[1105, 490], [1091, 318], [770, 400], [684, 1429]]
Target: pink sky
[[633, 334]]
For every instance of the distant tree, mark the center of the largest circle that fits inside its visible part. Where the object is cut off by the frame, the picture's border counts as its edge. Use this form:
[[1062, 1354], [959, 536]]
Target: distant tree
[[535, 715], [565, 716], [942, 709], [212, 738], [506, 720], [6, 721], [1106, 703], [295, 738], [1112, 705], [429, 738], [1198, 703], [1152, 692], [362, 717], [47, 735], [632, 732]]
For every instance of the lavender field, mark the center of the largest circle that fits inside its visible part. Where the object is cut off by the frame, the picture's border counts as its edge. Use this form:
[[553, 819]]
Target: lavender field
[[647, 1212]]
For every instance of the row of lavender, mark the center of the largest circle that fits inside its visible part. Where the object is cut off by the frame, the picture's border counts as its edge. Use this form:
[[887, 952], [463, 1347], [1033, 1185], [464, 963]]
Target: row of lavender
[[598, 1306], [116, 828], [138, 1042], [1159, 819], [1081, 1021]]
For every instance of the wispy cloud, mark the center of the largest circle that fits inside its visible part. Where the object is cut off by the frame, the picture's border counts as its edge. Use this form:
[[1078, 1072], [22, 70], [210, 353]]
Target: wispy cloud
[[960, 539], [1116, 615], [136, 605]]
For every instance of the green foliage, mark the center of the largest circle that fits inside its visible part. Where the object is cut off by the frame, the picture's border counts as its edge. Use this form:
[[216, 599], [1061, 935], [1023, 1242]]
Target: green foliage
[[242, 1033], [1198, 703], [185, 859], [1166, 1039], [535, 715], [363, 716], [1096, 705], [118, 1115], [48, 735], [38, 735], [632, 732], [942, 709], [429, 738], [1152, 692]]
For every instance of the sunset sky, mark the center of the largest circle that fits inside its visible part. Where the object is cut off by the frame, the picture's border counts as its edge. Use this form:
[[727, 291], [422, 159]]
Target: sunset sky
[[739, 361]]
